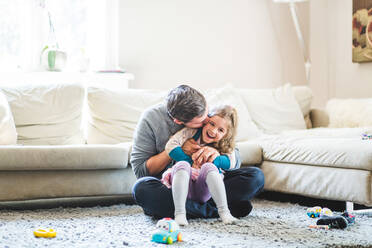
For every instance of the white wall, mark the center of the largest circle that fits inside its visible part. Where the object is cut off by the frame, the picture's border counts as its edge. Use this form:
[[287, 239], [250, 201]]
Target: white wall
[[334, 74], [249, 43]]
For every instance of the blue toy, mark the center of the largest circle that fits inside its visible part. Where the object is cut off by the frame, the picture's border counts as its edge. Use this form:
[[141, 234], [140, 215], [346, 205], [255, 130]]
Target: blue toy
[[316, 212], [167, 233]]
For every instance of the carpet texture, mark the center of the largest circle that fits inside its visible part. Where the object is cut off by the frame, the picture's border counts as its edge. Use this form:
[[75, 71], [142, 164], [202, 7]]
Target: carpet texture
[[271, 224]]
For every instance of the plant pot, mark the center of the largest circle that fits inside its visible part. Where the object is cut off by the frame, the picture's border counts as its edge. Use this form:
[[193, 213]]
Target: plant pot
[[53, 59]]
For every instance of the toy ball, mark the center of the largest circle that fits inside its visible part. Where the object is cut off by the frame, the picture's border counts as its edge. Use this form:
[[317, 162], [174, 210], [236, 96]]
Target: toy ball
[[314, 212], [326, 212], [168, 231]]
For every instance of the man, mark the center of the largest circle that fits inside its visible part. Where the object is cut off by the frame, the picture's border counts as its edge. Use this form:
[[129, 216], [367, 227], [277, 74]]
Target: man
[[184, 106]]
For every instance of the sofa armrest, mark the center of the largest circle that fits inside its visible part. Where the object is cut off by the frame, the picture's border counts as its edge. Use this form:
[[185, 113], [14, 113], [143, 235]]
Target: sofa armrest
[[319, 118], [250, 152]]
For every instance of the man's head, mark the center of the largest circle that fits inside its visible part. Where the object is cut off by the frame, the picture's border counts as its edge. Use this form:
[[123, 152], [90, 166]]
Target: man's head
[[187, 106]]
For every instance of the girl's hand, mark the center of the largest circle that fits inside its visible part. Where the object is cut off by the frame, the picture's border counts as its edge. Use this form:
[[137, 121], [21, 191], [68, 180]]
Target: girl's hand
[[204, 155], [190, 146]]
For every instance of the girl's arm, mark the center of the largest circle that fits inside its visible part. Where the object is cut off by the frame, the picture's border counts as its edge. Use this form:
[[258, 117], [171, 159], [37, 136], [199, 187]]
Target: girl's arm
[[178, 154], [225, 161], [174, 145]]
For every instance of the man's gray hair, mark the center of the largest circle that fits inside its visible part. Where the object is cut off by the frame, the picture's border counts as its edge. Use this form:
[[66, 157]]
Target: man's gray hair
[[184, 103]]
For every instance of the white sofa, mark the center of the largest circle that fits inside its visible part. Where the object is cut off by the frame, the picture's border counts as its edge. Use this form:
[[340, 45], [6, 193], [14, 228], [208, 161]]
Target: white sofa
[[64, 151]]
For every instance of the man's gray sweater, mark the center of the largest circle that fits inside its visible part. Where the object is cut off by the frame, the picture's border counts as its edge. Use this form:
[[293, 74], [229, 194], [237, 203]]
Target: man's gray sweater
[[152, 133]]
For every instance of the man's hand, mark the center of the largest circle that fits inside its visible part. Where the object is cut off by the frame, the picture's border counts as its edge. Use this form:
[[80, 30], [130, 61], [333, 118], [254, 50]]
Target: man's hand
[[196, 166], [190, 146], [204, 155]]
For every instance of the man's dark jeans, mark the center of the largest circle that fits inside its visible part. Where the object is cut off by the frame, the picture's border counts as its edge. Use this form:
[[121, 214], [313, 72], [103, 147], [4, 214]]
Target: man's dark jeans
[[241, 186]]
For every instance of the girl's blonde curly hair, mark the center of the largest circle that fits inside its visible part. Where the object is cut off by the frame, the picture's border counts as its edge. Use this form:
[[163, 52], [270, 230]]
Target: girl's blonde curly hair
[[227, 143]]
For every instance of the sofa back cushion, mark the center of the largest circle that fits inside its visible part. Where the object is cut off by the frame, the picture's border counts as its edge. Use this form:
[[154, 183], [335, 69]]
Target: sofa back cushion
[[274, 110], [303, 96], [113, 115], [350, 112], [47, 113], [247, 129], [8, 133]]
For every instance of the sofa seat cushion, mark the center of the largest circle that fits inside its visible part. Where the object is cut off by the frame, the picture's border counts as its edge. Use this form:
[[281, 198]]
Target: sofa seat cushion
[[64, 157], [34, 185], [319, 182], [332, 147]]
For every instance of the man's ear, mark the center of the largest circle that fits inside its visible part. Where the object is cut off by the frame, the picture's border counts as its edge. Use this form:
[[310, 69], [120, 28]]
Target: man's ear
[[206, 120], [177, 121]]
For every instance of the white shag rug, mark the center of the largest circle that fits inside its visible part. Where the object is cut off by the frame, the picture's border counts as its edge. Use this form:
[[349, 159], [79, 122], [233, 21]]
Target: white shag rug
[[270, 224]]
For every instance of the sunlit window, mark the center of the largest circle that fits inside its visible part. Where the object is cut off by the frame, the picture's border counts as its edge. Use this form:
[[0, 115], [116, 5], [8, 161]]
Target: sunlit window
[[10, 34], [69, 28], [78, 28]]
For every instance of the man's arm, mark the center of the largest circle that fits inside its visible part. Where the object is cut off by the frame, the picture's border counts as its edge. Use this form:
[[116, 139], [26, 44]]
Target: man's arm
[[190, 146], [174, 146], [144, 159], [157, 163]]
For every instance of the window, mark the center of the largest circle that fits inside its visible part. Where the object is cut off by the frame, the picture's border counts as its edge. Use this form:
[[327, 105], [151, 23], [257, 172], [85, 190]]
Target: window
[[10, 35], [78, 27]]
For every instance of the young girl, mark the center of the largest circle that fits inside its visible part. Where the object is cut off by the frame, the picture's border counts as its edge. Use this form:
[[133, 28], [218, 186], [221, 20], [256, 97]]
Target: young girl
[[206, 182]]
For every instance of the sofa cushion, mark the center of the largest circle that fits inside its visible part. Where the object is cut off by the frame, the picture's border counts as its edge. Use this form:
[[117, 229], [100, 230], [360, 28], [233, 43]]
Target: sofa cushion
[[331, 147], [8, 133], [319, 182], [304, 96], [47, 113], [250, 153], [64, 157], [274, 110], [113, 115], [42, 184], [228, 95], [350, 112]]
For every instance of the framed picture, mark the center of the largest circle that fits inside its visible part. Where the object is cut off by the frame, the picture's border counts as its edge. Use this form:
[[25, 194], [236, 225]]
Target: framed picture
[[362, 31]]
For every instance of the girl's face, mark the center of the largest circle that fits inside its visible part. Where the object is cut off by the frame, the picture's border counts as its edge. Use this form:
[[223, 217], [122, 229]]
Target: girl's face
[[214, 130]]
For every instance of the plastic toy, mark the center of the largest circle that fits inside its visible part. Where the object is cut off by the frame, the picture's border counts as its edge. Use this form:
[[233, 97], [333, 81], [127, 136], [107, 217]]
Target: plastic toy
[[167, 233], [326, 227], [366, 136], [314, 212], [350, 218], [48, 233], [338, 222], [326, 212]]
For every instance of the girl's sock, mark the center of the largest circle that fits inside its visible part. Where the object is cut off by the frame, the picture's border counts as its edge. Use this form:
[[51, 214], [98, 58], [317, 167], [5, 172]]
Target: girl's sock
[[217, 189], [180, 189]]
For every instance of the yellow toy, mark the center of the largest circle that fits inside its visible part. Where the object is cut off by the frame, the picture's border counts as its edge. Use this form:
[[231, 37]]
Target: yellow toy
[[48, 233]]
